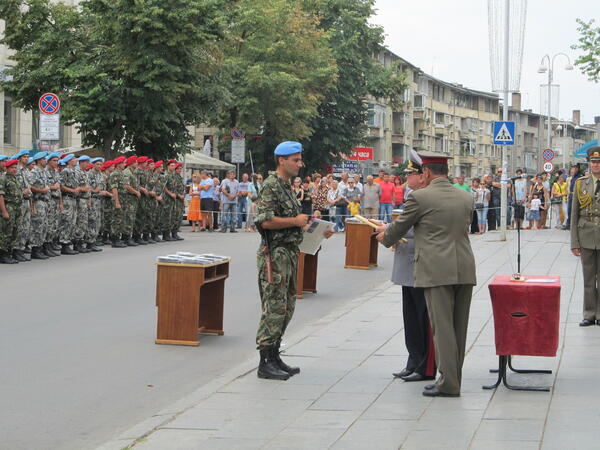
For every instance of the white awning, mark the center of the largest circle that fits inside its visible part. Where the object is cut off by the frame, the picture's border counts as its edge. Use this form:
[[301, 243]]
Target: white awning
[[197, 160]]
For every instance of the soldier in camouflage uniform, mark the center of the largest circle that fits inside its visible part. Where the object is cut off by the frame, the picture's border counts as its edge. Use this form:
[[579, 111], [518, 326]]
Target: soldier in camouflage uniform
[[3, 159], [116, 183], [131, 200], [169, 197], [55, 204], [141, 217], [107, 203], [179, 204], [156, 200], [69, 187], [11, 196], [24, 227], [97, 189], [83, 206], [280, 223], [40, 188]]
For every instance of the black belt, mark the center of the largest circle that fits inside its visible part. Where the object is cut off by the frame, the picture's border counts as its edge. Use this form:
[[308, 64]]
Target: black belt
[[68, 194]]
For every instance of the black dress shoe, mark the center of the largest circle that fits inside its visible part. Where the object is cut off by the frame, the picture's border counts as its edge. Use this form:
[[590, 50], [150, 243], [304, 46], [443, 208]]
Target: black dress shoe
[[435, 392], [403, 373], [416, 377], [586, 322], [429, 386]]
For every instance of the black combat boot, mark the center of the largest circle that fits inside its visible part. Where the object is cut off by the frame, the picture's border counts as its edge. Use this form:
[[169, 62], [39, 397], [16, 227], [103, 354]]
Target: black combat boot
[[268, 367], [118, 243], [139, 240], [36, 253], [27, 250], [48, 251], [106, 239], [56, 246], [20, 256], [176, 237], [131, 242], [81, 248], [283, 366], [167, 236], [156, 237], [149, 239], [67, 250], [93, 247], [6, 258]]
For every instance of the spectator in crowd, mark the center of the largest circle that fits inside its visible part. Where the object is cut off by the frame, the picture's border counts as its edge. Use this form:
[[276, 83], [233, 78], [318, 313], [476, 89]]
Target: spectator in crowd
[[460, 184], [386, 199], [380, 178], [475, 218], [519, 192], [319, 199], [494, 205], [216, 202], [306, 202], [242, 199], [544, 197], [534, 210], [332, 195], [341, 207], [194, 215], [206, 200], [297, 188], [253, 190], [398, 191], [357, 182], [558, 201], [343, 184], [353, 195], [481, 197], [229, 200], [371, 194]]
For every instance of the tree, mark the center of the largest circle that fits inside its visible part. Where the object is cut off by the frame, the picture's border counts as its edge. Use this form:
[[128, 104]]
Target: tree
[[130, 73], [278, 67], [341, 122], [589, 44]]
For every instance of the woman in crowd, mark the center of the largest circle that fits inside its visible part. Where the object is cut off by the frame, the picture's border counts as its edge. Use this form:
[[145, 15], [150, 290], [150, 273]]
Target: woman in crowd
[[194, 215], [559, 201], [253, 190], [319, 199], [306, 202], [543, 195], [481, 198], [398, 191], [331, 199], [216, 202]]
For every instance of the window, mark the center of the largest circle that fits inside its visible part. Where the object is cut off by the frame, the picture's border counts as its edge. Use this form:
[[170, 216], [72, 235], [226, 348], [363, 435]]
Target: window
[[438, 92], [439, 118], [400, 121], [371, 115], [419, 101], [9, 119]]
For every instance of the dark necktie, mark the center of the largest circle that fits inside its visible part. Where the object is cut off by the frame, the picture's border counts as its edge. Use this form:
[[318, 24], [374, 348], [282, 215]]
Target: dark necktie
[[597, 187]]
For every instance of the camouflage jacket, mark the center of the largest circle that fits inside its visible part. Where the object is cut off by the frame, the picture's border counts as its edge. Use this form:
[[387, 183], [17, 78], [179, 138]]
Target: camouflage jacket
[[179, 184], [39, 180], [23, 177], [82, 181], [169, 182], [117, 180], [11, 190], [96, 180], [69, 178], [142, 178], [276, 199], [53, 178]]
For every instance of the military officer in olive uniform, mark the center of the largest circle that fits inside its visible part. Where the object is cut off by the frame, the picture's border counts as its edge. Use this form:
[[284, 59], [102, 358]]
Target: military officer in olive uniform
[[585, 236], [11, 196], [444, 265]]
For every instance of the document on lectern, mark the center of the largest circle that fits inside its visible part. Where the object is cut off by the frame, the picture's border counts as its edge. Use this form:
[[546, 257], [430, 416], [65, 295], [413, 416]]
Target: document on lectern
[[314, 235]]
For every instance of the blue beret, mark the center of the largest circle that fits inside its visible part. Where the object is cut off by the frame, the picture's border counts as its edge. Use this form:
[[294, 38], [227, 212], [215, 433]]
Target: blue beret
[[3, 157], [62, 162], [40, 155], [21, 153], [288, 148], [53, 155], [95, 160], [83, 158], [68, 158]]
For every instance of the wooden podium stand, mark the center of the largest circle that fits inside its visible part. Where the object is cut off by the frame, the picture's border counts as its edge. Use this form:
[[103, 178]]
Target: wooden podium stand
[[361, 246], [306, 279], [189, 298]]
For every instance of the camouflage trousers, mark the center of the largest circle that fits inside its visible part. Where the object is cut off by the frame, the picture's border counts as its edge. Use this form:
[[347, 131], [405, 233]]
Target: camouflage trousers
[[67, 220], [278, 299], [117, 220], [155, 213], [165, 213], [52, 218], [39, 223], [107, 211], [82, 231], [24, 226], [130, 206], [9, 227], [142, 216], [177, 214], [95, 219]]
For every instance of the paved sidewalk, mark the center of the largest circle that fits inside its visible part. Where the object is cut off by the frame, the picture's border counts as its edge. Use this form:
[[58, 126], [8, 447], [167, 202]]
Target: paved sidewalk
[[346, 398]]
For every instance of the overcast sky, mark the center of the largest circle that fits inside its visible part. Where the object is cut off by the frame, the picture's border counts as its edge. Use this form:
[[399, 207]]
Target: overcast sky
[[449, 39]]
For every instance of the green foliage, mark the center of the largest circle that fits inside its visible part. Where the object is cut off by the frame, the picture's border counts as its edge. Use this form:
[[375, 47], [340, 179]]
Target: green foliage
[[589, 44]]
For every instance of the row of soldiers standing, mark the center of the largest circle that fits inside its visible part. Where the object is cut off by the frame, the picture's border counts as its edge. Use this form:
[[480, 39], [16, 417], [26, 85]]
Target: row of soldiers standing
[[55, 204]]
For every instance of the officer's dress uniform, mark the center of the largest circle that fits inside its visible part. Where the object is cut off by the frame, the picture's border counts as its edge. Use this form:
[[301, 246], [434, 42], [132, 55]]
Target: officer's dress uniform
[[585, 235], [444, 268], [418, 336]]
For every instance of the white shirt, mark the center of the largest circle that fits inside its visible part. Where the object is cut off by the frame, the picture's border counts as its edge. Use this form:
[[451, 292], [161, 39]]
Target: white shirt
[[535, 204]]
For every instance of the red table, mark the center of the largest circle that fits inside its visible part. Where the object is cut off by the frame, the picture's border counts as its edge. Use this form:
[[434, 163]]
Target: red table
[[526, 320]]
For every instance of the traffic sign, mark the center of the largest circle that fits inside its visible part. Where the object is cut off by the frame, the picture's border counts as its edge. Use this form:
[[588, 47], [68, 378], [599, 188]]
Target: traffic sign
[[238, 151], [236, 133], [504, 133], [49, 127], [345, 166], [49, 103], [548, 167], [548, 154]]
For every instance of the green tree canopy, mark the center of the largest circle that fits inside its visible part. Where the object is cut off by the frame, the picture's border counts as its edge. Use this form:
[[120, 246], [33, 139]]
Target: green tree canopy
[[589, 44]]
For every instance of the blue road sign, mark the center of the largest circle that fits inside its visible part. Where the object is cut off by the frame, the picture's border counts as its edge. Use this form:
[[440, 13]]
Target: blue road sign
[[346, 166], [504, 133]]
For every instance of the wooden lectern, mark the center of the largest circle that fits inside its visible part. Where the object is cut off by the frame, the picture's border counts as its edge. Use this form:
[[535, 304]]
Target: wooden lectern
[[361, 246], [190, 301], [306, 279]]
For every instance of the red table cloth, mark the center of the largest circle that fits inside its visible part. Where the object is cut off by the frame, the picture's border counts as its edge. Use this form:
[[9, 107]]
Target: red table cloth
[[526, 315]]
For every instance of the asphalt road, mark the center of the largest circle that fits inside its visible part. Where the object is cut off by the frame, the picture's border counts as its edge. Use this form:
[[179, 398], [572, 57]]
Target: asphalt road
[[78, 363]]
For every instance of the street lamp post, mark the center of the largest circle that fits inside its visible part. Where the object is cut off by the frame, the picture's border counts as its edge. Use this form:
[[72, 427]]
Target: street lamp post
[[550, 69]]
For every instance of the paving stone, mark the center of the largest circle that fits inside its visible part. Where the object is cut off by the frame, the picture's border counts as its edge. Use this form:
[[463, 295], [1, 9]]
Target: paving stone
[[380, 434], [510, 430], [337, 401]]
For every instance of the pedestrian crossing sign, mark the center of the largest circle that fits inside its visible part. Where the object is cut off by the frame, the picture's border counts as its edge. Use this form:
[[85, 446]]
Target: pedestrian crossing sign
[[504, 133]]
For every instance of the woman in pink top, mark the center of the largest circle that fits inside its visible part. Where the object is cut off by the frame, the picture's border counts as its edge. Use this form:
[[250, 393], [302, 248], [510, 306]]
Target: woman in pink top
[[386, 199], [398, 191]]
